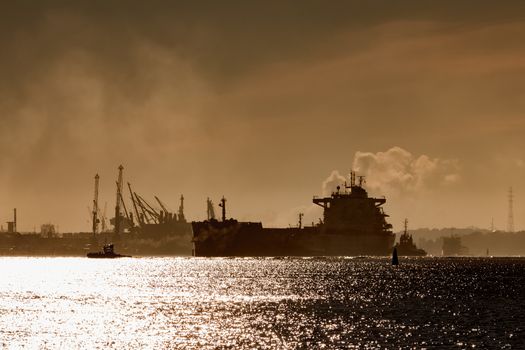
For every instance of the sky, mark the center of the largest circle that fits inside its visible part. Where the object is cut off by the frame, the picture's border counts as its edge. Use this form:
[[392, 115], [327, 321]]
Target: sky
[[265, 102]]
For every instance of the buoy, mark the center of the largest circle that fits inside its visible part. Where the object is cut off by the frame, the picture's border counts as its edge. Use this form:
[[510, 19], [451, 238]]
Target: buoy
[[395, 259]]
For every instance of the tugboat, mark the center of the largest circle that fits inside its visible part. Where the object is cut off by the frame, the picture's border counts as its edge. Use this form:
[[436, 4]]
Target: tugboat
[[406, 246], [108, 252]]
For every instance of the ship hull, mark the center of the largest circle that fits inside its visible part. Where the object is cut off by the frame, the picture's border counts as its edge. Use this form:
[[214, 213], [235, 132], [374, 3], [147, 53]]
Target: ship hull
[[251, 239]]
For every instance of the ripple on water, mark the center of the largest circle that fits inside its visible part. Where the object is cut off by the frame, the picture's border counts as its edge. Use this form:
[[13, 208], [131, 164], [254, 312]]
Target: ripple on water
[[262, 303]]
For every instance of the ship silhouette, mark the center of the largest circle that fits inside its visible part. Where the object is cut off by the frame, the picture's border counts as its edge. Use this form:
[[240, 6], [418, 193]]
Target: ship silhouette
[[108, 252], [353, 224], [406, 245]]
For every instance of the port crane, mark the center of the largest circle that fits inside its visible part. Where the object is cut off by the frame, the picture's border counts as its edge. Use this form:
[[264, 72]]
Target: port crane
[[128, 216], [118, 200], [95, 208], [210, 211], [166, 211], [137, 215], [181, 209]]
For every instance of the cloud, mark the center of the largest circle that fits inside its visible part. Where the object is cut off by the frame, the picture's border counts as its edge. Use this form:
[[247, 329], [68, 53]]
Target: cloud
[[208, 99], [397, 171]]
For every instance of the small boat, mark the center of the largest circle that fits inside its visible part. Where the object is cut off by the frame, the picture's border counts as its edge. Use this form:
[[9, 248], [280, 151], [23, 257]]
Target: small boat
[[108, 252], [406, 246]]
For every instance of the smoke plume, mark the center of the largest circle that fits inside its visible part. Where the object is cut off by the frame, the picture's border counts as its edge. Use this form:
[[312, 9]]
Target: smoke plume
[[397, 171]]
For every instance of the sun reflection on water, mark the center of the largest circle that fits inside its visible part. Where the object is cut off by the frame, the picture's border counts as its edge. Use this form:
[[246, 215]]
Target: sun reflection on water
[[259, 303]]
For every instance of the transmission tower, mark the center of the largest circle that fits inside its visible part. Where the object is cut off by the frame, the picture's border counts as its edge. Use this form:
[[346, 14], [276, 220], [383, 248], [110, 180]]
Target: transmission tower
[[510, 220]]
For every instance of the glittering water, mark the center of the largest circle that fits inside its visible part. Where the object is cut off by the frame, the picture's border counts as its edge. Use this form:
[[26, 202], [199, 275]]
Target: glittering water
[[261, 303]]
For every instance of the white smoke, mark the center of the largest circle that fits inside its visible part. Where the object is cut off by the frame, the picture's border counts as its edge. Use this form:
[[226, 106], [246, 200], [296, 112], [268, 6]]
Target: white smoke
[[330, 184], [398, 171], [390, 173]]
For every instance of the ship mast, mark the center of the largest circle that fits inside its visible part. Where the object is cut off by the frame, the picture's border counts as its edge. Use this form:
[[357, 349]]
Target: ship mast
[[95, 208], [406, 226]]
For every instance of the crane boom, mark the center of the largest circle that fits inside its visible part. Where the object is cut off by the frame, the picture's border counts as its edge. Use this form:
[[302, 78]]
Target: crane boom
[[161, 205], [144, 213], [140, 221], [124, 205], [151, 209]]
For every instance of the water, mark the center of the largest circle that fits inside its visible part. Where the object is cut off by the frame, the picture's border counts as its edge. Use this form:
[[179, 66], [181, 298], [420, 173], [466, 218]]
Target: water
[[191, 303]]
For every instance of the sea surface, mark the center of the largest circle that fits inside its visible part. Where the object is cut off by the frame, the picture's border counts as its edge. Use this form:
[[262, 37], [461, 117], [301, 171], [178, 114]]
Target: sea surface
[[285, 303]]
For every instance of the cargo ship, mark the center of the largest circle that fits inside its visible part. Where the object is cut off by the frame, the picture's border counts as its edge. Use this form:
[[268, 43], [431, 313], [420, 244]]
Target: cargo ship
[[406, 245], [353, 224]]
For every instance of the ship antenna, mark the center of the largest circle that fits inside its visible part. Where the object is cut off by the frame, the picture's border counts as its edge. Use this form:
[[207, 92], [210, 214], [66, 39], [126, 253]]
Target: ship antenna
[[301, 220]]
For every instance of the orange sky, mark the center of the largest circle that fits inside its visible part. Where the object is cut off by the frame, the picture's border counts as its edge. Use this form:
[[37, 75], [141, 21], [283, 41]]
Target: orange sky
[[261, 102]]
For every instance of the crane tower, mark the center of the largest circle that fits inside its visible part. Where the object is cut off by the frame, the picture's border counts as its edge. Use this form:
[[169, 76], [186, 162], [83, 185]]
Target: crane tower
[[118, 201], [95, 208]]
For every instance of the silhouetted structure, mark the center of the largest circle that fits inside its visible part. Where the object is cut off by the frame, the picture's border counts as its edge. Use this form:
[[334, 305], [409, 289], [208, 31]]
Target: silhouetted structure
[[145, 230], [118, 215], [48, 231], [95, 208], [406, 246], [353, 224], [108, 252], [395, 258], [11, 225]]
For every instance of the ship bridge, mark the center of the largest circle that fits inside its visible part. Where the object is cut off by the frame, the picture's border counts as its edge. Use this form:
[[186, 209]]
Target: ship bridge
[[351, 209]]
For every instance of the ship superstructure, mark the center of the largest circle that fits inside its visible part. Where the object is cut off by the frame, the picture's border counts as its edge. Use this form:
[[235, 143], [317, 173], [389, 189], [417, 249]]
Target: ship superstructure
[[352, 211]]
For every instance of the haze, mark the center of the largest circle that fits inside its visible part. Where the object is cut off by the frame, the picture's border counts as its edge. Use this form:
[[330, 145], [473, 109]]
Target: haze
[[265, 103]]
